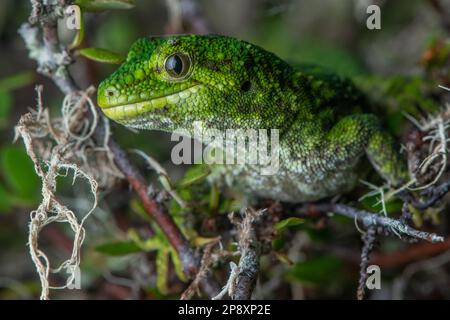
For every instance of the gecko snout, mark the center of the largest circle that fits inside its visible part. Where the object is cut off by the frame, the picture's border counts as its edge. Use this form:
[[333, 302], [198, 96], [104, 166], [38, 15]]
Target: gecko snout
[[107, 96]]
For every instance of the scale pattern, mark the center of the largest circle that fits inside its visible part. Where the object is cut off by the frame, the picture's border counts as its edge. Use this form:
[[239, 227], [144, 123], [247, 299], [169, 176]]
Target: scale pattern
[[324, 128]]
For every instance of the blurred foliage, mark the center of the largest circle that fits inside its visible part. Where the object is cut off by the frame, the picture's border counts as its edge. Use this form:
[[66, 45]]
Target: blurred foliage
[[20, 178], [118, 248], [7, 85], [19, 185], [399, 67], [316, 270], [99, 5]]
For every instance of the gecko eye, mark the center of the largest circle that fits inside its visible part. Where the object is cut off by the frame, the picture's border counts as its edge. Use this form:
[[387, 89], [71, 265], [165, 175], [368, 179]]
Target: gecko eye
[[177, 65]]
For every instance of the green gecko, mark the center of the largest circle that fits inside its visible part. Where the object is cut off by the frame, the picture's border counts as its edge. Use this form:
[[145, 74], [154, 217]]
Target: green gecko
[[325, 131]]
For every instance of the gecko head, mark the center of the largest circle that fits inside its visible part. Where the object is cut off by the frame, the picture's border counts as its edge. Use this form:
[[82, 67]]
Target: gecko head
[[168, 83]]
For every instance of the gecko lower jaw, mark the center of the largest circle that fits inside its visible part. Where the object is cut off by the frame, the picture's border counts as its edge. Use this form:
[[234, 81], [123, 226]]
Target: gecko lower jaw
[[132, 110]]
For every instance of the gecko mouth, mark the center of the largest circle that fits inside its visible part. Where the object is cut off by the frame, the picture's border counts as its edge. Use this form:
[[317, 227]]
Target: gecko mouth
[[132, 110]]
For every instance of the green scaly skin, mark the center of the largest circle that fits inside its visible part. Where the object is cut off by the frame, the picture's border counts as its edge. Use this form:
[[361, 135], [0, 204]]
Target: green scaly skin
[[231, 84]]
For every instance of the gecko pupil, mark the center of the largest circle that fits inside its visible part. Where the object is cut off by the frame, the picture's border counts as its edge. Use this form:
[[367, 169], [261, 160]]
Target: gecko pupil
[[174, 64]]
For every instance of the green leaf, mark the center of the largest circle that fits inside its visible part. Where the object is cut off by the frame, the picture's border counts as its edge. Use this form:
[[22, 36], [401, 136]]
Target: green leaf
[[289, 222], [100, 5], [162, 268], [18, 171], [118, 248], [199, 241], [178, 265], [102, 55], [151, 244], [194, 175], [16, 81], [316, 270], [214, 198]]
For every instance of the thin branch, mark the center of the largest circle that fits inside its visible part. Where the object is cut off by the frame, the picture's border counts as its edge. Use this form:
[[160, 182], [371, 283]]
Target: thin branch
[[368, 219], [250, 249]]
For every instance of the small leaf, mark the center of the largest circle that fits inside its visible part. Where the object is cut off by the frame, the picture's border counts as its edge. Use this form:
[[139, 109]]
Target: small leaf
[[158, 241], [102, 55], [194, 175], [162, 268], [201, 241], [18, 171], [178, 265], [214, 198], [100, 5], [119, 248], [289, 222], [150, 244]]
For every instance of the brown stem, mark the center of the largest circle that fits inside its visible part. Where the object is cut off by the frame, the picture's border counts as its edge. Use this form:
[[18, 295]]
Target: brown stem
[[410, 254], [368, 239], [164, 220]]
